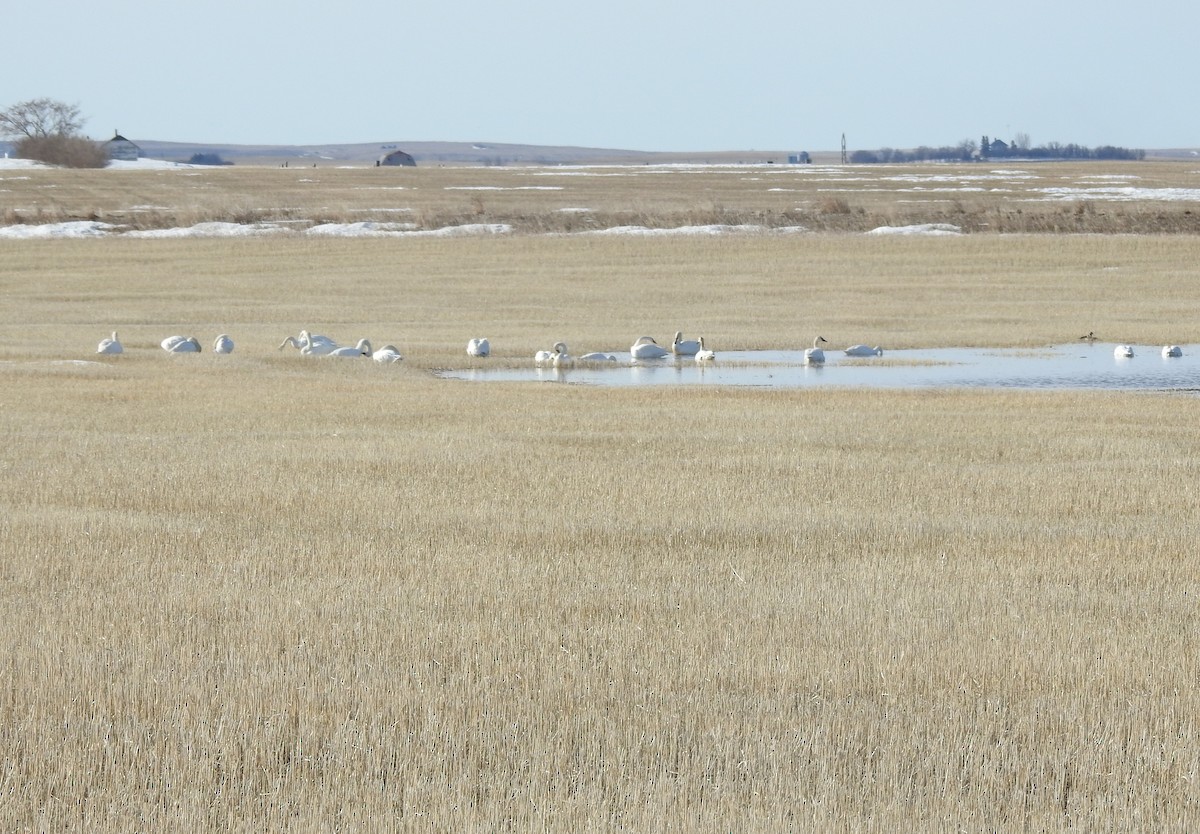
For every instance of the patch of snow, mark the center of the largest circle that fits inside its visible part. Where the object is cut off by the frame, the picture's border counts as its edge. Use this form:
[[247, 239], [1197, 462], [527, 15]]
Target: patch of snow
[[213, 229], [919, 229], [74, 228], [710, 230]]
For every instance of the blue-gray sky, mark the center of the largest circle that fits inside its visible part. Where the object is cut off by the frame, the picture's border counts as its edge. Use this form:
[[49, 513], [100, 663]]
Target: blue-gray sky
[[632, 74]]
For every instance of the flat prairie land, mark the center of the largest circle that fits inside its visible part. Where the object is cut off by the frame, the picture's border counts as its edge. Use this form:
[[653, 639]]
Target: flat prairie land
[[267, 592]]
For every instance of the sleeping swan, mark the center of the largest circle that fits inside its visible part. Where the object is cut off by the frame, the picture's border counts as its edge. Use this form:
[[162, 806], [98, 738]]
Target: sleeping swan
[[180, 344], [1168, 351], [479, 347], [863, 350], [223, 344]]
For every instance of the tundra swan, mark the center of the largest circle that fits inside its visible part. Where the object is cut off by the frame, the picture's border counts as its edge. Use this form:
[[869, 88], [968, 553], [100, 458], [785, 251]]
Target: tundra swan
[[363, 348], [684, 347], [1123, 351], [1168, 351], [310, 344], [180, 344], [543, 357], [814, 355], [597, 357], [479, 347], [562, 359], [387, 353], [863, 350], [223, 344], [646, 348], [703, 354], [110, 345]]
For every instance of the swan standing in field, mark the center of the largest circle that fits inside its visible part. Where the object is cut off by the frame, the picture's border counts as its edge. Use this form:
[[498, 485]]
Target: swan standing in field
[[1168, 351], [646, 348], [684, 347], [1123, 351], [703, 354], [479, 347], [562, 359], [863, 350], [110, 345], [363, 348], [223, 344], [386, 354], [814, 355], [180, 344]]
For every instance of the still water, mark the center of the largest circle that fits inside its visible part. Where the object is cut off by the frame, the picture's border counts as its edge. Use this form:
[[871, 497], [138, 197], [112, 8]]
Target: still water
[[1060, 366]]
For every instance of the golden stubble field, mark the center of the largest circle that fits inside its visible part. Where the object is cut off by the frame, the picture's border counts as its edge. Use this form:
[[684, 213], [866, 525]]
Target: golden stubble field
[[264, 592]]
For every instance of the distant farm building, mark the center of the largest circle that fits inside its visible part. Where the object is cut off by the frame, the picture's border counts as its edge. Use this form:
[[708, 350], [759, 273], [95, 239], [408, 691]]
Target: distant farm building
[[801, 158], [119, 147], [396, 158]]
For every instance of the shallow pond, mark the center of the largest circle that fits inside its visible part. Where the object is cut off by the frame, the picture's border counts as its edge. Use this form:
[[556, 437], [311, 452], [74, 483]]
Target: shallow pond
[[1060, 366]]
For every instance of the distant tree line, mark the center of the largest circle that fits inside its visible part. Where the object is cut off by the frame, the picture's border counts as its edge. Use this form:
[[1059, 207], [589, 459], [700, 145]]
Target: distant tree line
[[1019, 148], [207, 159]]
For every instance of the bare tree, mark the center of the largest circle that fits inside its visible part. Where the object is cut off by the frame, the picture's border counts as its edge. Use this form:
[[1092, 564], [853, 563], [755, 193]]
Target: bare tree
[[40, 118]]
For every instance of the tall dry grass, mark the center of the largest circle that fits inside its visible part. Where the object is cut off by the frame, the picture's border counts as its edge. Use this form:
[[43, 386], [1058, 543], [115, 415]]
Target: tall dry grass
[[260, 592]]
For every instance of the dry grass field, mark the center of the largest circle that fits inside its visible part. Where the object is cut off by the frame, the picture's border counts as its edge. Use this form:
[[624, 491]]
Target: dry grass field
[[263, 592]]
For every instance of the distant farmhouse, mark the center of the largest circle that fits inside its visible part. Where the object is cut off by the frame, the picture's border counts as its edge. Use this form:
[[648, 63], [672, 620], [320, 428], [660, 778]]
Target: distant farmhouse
[[119, 147], [396, 158]]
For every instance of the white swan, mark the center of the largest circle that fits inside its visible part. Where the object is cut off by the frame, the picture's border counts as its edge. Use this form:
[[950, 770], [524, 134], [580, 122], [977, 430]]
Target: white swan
[[310, 344], [180, 344], [703, 354], [386, 354], [223, 344], [543, 357], [1168, 351], [363, 348], [479, 347], [684, 347], [863, 350], [814, 355], [110, 345], [597, 357], [1123, 351], [646, 348], [562, 359]]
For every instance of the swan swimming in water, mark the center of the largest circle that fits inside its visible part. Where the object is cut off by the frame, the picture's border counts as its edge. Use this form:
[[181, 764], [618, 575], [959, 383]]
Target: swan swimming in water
[[479, 347], [703, 354], [110, 345], [1168, 351], [863, 350], [363, 348], [223, 344], [814, 355], [646, 348], [180, 344], [597, 357], [386, 354], [684, 347], [1123, 351]]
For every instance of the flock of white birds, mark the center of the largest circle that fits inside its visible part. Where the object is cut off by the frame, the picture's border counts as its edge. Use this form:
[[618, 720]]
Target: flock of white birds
[[1126, 351], [646, 347]]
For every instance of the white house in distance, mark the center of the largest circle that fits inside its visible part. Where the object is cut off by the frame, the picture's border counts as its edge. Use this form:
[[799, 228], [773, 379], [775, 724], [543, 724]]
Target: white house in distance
[[119, 147]]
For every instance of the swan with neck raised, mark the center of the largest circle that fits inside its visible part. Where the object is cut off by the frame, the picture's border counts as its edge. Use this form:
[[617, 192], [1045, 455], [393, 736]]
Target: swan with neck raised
[[110, 345], [814, 355], [310, 344], [684, 347], [646, 348], [704, 354], [562, 358]]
